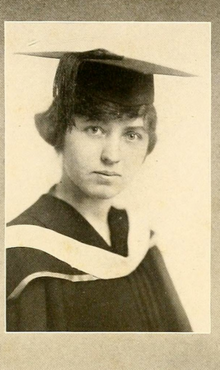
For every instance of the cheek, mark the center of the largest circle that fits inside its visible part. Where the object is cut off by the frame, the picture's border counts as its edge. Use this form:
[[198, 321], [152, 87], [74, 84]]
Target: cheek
[[136, 156], [79, 153]]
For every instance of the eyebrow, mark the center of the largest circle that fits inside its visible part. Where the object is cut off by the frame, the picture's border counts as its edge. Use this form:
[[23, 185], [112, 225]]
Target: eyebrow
[[92, 122], [127, 128], [142, 128], [105, 123]]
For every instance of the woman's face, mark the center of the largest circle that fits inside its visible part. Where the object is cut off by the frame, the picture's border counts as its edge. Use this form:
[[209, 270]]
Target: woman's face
[[101, 159]]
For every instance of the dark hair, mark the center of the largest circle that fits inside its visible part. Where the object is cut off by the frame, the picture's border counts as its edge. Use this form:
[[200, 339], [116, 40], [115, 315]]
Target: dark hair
[[53, 124]]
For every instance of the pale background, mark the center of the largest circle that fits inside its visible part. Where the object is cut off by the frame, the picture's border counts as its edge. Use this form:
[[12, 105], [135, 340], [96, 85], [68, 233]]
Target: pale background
[[174, 185]]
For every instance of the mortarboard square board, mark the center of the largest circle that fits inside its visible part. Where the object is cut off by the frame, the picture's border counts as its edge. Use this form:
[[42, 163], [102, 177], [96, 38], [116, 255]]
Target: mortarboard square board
[[108, 76]]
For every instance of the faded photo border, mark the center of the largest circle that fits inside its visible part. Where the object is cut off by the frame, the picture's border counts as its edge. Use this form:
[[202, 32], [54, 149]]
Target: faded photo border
[[111, 351]]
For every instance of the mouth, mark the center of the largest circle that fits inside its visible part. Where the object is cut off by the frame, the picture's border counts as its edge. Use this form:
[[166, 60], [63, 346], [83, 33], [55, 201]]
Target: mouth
[[107, 173]]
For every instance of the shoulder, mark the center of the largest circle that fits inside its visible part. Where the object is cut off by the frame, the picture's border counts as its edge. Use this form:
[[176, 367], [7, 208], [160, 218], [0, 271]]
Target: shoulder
[[31, 216], [46, 211]]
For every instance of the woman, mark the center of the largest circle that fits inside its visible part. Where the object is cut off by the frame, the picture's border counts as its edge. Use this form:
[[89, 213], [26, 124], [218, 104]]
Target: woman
[[74, 262]]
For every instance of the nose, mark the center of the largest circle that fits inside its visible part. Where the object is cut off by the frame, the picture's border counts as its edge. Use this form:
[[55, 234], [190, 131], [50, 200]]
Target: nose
[[111, 151]]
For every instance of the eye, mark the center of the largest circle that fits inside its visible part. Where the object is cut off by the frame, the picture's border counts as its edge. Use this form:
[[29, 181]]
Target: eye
[[132, 136], [94, 130]]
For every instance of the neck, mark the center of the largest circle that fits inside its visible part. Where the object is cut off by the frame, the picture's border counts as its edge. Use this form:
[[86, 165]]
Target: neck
[[90, 208]]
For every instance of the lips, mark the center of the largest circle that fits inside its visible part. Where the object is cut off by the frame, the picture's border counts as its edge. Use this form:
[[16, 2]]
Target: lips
[[107, 173]]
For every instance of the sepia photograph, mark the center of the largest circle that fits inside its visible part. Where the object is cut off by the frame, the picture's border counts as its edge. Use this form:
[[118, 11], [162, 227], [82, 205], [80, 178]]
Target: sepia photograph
[[107, 155]]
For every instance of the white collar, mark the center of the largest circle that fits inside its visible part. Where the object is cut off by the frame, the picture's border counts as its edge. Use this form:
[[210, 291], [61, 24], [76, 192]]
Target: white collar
[[89, 259]]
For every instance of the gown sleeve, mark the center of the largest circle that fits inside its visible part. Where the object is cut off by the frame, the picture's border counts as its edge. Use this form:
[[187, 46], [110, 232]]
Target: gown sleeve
[[169, 314], [28, 312]]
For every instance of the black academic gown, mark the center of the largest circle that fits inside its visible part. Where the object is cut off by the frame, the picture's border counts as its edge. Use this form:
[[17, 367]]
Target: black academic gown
[[143, 301]]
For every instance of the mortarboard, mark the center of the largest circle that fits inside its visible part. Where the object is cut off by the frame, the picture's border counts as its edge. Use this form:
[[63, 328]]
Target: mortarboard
[[107, 76]]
